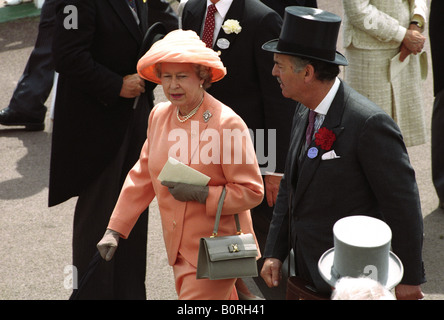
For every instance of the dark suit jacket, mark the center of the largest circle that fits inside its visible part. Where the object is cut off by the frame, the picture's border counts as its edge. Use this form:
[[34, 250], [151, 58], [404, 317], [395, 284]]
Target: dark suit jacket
[[91, 118], [249, 88], [436, 26], [373, 176]]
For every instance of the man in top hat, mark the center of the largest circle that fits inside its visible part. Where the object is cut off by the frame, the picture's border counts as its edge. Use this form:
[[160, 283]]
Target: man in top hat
[[239, 30], [346, 157]]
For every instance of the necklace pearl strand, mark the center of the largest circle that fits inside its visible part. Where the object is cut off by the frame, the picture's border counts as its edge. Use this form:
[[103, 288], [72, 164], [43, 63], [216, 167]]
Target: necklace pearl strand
[[192, 113]]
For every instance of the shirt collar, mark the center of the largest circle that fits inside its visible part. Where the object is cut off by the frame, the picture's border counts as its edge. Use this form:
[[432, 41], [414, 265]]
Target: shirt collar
[[325, 104]]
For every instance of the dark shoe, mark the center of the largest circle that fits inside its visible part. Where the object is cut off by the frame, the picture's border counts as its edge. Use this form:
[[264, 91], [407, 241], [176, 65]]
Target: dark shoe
[[9, 117]]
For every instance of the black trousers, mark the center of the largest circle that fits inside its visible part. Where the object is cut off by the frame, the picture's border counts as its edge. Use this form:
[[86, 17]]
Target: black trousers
[[122, 278], [35, 84], [438, 144]]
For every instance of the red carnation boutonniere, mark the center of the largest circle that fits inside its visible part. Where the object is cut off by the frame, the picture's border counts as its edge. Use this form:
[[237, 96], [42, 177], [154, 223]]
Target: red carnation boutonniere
[[325, 138]]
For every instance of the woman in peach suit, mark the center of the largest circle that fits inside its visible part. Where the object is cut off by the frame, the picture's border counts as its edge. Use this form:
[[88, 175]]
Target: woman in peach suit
[[203, 133]]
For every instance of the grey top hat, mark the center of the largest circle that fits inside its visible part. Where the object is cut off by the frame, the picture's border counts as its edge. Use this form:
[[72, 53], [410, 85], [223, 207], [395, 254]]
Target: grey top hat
[[361, 249], [310, 33]]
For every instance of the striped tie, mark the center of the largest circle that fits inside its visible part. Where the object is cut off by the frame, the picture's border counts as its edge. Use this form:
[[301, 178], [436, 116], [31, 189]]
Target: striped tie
[[310, 128]]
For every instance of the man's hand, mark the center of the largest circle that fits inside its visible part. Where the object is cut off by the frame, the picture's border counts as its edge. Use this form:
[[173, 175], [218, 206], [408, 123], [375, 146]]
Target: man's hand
[[133, 86], [272, 188], [272, 272], [408, 292]]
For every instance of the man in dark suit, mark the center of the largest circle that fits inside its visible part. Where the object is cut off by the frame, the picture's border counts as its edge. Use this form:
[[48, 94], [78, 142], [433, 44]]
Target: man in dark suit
[[99, 129], [250, 89], [352, 162], [436, 27], [27, 105]]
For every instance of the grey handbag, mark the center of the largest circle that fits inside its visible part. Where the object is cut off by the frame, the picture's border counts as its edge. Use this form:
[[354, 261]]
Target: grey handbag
[[227, 257]]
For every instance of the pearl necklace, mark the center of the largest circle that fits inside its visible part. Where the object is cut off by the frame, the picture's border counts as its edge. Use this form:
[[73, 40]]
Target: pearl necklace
[[192, 113]]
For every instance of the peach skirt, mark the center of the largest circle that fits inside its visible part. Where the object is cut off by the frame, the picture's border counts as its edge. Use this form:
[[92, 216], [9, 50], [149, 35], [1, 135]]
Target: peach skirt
[[190, 288]]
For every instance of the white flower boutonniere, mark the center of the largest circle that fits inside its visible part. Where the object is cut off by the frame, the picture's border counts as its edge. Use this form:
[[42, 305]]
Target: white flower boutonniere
[[231, 26]]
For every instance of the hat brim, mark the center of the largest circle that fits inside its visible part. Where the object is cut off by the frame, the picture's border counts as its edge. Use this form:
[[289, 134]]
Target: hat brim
[[180, 46], [148, 72], [271, 46], [395, 272]]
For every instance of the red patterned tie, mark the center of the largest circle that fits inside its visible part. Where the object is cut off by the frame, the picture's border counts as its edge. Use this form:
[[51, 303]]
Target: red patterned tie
[[208, 32]]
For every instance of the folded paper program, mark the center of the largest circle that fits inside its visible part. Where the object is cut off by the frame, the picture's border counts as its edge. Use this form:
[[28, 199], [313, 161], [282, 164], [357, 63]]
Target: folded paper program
[[176, 171]]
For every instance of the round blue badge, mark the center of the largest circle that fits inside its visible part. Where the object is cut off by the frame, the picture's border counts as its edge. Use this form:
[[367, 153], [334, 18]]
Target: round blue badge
[[312, 152]]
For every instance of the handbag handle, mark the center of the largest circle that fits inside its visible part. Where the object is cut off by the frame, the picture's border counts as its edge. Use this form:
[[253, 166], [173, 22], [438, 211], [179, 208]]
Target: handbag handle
[[219, 212]]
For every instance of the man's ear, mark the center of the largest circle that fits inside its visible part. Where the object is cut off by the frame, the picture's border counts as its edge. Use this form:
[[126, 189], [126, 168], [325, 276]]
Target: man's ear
[[309, 73]]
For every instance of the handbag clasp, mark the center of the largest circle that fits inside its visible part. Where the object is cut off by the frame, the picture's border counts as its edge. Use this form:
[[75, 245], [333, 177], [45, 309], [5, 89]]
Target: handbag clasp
[[233, 248]]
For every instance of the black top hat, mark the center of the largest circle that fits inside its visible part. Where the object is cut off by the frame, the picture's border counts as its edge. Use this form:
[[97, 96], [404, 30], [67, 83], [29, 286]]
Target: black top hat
[[310, 33]]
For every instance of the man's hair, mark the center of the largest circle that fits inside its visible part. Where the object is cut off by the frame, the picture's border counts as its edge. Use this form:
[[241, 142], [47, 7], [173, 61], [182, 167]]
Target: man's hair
[[324, 71]]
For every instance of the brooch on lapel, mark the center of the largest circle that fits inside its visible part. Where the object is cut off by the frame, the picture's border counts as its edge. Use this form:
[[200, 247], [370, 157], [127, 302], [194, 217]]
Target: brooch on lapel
[[207, 115]]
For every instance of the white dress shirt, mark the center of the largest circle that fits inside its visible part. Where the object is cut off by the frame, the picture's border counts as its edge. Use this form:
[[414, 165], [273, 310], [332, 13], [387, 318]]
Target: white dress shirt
[[325, 104]]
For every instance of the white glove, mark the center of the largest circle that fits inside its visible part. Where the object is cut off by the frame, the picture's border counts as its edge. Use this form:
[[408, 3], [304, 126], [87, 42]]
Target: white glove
[[108, 245]]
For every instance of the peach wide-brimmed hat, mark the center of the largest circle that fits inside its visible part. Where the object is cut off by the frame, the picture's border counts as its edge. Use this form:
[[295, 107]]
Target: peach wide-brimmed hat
[[180, 46]]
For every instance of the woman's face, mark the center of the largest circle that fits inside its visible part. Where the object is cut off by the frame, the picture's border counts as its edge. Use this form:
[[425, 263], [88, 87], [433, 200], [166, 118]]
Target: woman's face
[[181, 85]]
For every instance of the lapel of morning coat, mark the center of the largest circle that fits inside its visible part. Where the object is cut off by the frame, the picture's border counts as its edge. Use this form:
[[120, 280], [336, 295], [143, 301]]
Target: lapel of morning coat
[[124, 12], [309, 166], [298, 132], [236, 12], [142, 9], [194, 13]]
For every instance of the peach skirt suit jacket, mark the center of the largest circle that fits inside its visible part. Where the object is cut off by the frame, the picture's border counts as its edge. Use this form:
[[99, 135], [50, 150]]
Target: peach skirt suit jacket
[[192, 142]]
